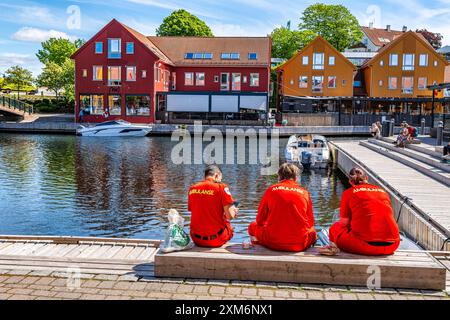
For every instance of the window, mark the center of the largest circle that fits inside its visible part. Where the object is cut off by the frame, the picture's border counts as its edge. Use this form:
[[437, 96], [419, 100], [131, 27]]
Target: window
[[138, 105], [216, 79], [305, 60], [207, 55], [317, 83], [130, 47], [225, 56], [423, 60], [200, 79], [97, 73], [357, 84], [422, 83], [407, 85], [114, 48], [235, 56], [84, 73], [380, 83], [144, 74], [99, 47], [344, 83], [189, 55], [435, 63], [332, 82], [188, 78], [114, 76], [303, 82], [408, 62], [92, 104], [393, 60], [115, 104], [318, 61], [393, 83], [131, 73], [331, 60], [252, 56], [236, 82], [244, 79], [174, 81], [198, 55], [254, 79], [157, 73], [381, 63], [224, 81]]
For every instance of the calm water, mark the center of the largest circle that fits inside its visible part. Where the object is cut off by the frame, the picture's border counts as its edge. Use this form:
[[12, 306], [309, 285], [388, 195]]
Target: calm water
[[122, 187]]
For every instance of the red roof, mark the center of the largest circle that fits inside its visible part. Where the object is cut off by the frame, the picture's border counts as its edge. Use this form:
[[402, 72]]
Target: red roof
[[381, 37]]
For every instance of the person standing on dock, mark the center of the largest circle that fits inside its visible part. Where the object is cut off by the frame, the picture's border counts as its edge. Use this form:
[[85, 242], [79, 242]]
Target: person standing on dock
[[367, 225], [285, 219], [212, 207]]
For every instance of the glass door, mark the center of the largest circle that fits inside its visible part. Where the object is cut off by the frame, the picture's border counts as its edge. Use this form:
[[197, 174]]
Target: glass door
[[224, 81], [236, 82]]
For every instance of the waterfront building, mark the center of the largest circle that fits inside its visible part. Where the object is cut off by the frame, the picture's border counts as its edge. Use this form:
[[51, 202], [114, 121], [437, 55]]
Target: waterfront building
[[143, 79], [318, 71], [376, 38]]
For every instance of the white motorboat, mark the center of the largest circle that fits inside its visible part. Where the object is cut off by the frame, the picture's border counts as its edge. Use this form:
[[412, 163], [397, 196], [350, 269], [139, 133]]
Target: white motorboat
[[115, 128], [310, 152]]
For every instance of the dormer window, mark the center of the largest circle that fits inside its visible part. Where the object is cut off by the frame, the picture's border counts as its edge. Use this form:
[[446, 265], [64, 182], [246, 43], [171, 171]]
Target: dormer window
[[114, 48], [230, 56], [207, 55], [252, 56], [198, 55], [225, 56], [235, 56], [189, 55]]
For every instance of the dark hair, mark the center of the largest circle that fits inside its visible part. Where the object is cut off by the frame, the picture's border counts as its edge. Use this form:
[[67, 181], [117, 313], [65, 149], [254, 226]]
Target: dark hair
[[288, 171], [358, 176], [211, 170]]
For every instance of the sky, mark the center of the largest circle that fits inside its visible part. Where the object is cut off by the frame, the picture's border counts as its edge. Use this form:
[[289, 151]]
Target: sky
[[26, 23]]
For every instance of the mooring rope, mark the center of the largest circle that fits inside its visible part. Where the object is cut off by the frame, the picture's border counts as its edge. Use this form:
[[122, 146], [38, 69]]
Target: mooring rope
[[401, 207], [445, 241]]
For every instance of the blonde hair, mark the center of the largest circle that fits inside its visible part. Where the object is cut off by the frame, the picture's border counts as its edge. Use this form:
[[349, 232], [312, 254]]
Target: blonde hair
[[288, 171]]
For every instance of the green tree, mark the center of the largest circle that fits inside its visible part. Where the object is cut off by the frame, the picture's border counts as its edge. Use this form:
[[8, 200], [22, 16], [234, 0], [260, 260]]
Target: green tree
[[18, 78], [53, 77], [335, 23], [285, 42], [57, 50], [182, 23]]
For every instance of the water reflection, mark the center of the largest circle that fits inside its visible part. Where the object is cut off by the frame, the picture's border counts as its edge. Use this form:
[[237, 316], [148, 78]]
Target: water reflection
[[63, 185]]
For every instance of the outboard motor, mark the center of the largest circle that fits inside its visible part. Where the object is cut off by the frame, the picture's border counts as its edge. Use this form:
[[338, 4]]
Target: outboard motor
[[306, 159]]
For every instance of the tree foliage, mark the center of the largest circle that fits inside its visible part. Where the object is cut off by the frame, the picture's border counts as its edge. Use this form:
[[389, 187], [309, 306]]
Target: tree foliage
[[285, 42], [57, 50], [435, 39], [182, 23], [55, 77], [18, 78], [335, 23]]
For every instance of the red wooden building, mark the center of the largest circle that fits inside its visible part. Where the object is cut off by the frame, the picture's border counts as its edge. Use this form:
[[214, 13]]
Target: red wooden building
[[143, 79]]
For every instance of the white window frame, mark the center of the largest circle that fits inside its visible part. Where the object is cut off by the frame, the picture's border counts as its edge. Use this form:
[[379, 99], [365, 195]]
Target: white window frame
[[118, 82], [144, 74], [314, 87], [94, 73], [408, 90], [318, 64], [408, 67], [389, 83], [302, 84], [425, 63], [126, 47], [391, 64], [331, 60], [252, 77], [95, 47], [197, 74], [305, 60], [224, 86], [335, 82], [418, 83], [192, 79], [239, 75], [134, 72]]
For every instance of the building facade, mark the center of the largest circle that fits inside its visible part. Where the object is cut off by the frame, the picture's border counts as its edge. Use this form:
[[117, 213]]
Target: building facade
[[122, 74], [318, 70]]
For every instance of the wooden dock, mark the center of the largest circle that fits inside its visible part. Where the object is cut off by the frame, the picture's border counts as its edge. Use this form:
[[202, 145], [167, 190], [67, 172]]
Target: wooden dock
[[419, 189]]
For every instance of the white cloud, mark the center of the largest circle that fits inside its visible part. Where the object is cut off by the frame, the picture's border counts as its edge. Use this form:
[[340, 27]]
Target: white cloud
[[27, 61], [30, 34], [224, 29]]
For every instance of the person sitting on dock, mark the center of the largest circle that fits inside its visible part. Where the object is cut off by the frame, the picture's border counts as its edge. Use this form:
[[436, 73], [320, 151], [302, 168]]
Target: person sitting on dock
[[212, 207], [367, 225], [375, 130], [285, 219], [403, 137]]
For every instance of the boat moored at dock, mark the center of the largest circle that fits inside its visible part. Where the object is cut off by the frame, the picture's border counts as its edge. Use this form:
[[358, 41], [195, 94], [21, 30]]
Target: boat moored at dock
[[310, 152], [116, 128]]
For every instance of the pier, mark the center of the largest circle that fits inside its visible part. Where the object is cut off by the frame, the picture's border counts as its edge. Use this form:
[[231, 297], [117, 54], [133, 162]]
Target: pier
[[418, 184]]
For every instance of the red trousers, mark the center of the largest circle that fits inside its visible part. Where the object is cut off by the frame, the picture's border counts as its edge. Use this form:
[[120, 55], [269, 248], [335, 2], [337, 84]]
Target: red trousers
[[226, 236], [346, 241], [257, 231]]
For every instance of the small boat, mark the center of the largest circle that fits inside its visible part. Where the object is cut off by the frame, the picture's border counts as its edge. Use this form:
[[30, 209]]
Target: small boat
[[116, 128], [310, 152]]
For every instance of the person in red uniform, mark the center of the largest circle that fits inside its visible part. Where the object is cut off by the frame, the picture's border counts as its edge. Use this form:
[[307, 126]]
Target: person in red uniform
[[212, 207], [285, 219], [367, 225]]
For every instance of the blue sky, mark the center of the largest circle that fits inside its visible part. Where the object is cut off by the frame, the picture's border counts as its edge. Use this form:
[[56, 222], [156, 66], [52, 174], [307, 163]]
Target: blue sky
[[25, 23]]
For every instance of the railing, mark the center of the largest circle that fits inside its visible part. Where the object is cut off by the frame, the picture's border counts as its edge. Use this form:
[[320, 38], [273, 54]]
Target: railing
[[16, 104]]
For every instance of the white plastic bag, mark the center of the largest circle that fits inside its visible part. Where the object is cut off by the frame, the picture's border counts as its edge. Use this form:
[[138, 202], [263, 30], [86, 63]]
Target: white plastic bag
[[176, 238]]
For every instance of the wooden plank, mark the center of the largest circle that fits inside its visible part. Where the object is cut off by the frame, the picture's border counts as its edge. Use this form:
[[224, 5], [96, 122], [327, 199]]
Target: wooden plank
[[306, 267], [30, 248], [123, 253], [88, 251], [100, 252], [147, 254], [45, 249], [136, 252]]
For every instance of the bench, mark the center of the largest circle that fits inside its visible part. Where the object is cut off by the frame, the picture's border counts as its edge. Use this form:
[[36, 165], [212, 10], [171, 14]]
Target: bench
[[404, 269]]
